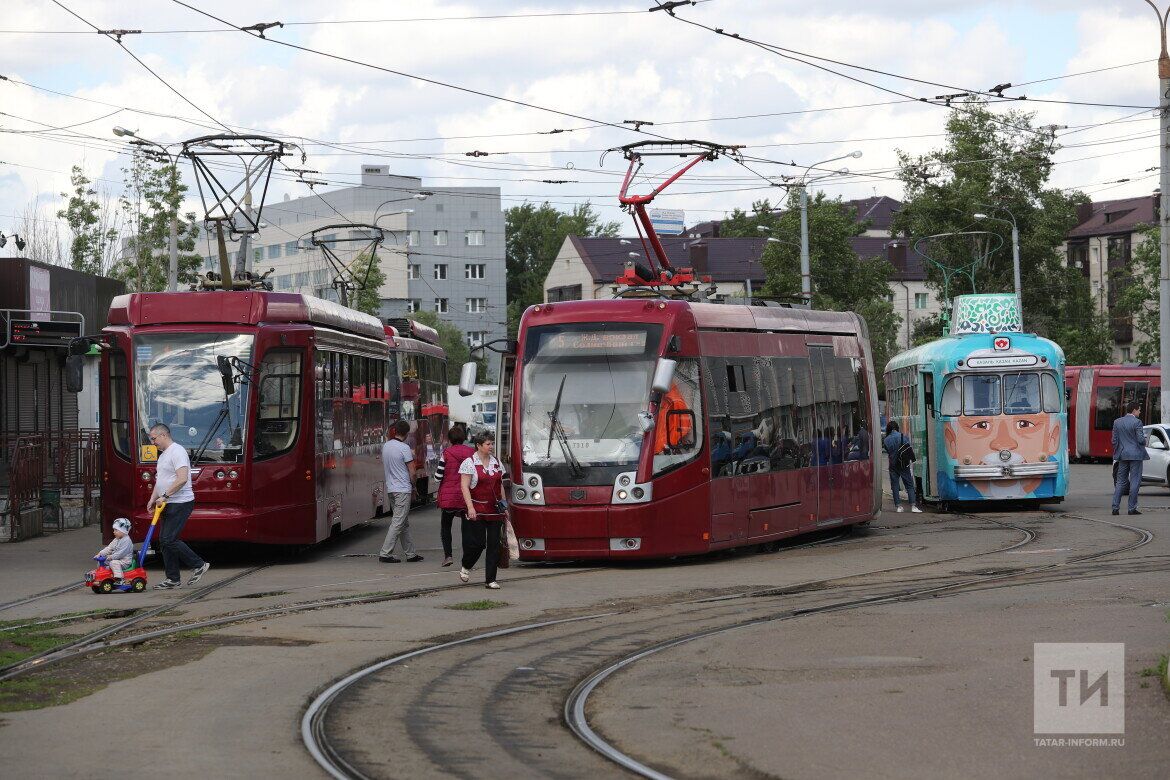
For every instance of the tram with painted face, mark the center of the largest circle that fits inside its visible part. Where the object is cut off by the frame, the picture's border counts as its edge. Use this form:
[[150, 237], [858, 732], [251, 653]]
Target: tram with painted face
[[984, 409], [282, 401], [649, 427]]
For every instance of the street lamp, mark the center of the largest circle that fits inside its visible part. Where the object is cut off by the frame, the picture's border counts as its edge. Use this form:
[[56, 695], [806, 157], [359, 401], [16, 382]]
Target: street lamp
[[421, 195], [173, 243], [802, 182], [1015, 251], [1164, 214], [20, 242]]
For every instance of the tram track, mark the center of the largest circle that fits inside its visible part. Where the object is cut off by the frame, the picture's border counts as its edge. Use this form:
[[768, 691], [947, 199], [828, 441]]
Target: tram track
[[574, 712], [77, 646], [591, 642], [57, 591]]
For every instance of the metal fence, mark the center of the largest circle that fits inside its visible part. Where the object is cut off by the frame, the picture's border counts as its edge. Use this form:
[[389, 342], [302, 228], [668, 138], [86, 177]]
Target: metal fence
[[38, 470]]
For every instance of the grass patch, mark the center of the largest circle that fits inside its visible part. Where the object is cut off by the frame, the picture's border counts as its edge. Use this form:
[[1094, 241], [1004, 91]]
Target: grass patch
[[33, 694], [1158, 671], [17, 644], [478, 605]]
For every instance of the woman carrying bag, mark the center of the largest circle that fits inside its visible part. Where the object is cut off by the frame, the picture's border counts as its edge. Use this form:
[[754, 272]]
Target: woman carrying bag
[[451, 501], [482, 483]]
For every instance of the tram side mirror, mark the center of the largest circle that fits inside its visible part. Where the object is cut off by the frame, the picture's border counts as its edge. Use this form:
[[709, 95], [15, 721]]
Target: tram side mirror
[[467, 379], [225, 373], [664, 375], [75, 373]]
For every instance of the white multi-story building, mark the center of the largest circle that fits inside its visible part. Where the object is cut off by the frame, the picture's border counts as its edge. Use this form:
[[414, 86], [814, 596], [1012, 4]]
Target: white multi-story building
[[444, 248]]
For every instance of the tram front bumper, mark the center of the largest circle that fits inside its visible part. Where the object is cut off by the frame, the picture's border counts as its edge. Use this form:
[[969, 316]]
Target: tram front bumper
[[1014, 471]]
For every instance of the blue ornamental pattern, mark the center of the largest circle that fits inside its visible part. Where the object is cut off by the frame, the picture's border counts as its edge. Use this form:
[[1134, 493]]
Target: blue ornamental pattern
[[987, 314]]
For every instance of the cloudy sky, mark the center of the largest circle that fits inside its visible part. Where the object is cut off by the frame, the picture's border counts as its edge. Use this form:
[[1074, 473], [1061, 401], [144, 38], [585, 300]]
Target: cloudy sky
[[599, 62]]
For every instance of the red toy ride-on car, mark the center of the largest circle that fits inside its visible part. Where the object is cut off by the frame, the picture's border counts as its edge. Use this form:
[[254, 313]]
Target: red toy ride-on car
[[101, 579]]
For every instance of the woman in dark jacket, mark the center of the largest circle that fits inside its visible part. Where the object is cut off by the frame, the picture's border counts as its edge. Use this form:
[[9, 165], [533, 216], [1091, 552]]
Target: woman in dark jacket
[[450, 494]]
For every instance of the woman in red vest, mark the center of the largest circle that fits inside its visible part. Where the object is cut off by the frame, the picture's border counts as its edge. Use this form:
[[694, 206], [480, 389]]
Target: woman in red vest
[[450, 493], [482, 484]]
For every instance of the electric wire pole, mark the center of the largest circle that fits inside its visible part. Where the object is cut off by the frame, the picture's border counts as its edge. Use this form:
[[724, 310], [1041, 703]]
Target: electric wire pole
[[1164, 217]]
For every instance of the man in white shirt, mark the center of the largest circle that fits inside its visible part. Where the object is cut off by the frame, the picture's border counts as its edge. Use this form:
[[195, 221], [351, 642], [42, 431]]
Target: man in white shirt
[[398, 464], [172, 485]]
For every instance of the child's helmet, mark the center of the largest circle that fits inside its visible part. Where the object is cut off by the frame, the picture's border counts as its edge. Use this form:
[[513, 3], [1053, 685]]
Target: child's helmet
[[122, 524]]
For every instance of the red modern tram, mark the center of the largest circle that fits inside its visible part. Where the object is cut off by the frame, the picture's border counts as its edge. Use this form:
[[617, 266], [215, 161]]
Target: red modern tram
[[281, 400], [1098, 395], [650, 427]]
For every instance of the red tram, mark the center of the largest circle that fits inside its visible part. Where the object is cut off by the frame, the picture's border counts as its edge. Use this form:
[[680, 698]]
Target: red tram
[[420, 365], [651, 427], [282, 401], [1098, 395]]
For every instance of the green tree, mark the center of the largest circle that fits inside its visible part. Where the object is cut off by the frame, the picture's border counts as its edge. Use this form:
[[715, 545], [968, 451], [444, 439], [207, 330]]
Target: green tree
[[153, 193], [452, 341], [841, 280], [995, 163], [92, 224], [1138, 292], [366, 298], [534, 235]]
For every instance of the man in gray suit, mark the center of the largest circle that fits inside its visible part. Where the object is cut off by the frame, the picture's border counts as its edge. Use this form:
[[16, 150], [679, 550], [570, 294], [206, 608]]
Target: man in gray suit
[[1129, 450]]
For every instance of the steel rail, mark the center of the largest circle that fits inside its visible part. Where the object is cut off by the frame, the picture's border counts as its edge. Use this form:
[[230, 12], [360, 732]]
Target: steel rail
[[574, 711]]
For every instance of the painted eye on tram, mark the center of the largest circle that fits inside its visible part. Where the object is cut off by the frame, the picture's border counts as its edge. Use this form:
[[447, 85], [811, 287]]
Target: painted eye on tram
[[1024, 424], [982, 425]]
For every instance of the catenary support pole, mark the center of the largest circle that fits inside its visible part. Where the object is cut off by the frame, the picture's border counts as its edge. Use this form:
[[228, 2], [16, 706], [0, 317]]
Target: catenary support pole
[[805, 274], [1164, 227]]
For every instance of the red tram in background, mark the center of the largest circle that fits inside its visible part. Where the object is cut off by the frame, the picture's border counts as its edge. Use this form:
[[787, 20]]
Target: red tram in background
[[653, 427], [1098, 395], [421, 367], [282, 401]]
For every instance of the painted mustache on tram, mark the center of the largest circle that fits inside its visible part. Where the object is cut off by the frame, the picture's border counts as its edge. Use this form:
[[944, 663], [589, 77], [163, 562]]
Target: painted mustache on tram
[[1028, 438]]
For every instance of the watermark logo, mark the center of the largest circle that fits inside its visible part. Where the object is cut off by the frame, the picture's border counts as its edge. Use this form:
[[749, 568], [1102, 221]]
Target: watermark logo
[[1078, 688]]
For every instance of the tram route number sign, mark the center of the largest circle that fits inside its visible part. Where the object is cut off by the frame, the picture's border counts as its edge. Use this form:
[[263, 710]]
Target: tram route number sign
[[600, 342], [42, 333]]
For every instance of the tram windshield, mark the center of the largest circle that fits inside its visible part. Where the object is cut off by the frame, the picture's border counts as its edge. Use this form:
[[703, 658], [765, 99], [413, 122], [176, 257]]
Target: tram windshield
[[177, 382], [584, 385], [984, 395]]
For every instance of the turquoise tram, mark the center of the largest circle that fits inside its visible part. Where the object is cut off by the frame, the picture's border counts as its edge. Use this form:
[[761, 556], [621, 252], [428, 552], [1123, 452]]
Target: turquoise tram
[[984, 408]]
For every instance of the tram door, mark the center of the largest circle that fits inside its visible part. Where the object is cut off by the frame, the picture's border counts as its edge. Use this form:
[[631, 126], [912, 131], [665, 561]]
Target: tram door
[[826, 436], [929, 458]]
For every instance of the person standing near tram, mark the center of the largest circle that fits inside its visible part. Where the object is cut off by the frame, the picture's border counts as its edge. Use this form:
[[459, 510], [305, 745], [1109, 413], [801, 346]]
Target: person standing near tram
[[172, 487], [482, 484]]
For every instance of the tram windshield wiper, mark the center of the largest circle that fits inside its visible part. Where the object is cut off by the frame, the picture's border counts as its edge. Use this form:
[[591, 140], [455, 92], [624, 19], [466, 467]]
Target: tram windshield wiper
[[555, 429], [225, 372]]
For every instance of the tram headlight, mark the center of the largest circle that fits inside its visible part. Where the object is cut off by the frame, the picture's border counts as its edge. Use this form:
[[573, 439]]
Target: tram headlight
[[639, 492], [220, 474], [146, 476], [521, 494], [533, 482], [624, 481], [535, 495], [622, 495], [233, 474], [527, 544]]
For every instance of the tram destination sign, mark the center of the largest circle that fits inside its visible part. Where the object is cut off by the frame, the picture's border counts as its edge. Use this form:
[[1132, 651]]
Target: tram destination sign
[[1002, 361], [596, 342], [42, 333]]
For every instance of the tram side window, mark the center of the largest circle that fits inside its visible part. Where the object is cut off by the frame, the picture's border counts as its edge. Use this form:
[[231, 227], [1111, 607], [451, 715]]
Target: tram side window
[[1136, 393], [279, 403], [952, 397], [119, 404], [718, 392], [1108, 407], [791, 416], [981, 395], [324, 406], [1050, 393], [862, 449]]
